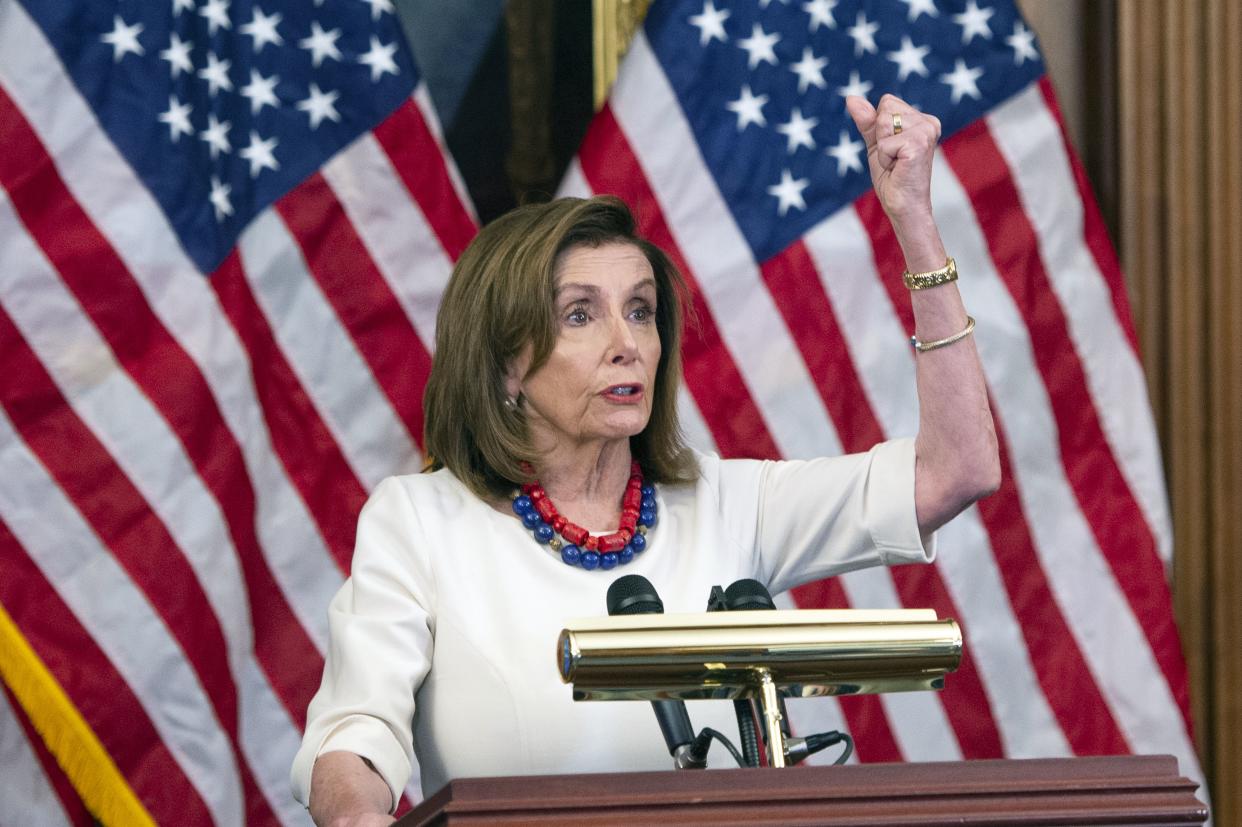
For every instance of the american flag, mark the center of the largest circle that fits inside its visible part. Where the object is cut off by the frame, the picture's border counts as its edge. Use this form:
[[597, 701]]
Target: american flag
[[727, 133], [224, 228]]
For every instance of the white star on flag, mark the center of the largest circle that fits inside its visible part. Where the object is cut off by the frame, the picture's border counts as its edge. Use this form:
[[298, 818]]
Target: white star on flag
[[856, 86], [810, 70], [909, 59], [321, 44], [380, 59], [917, 7], [217, 136], [123, 39], [847, 152], [798, 130], [759, 46], [177, 117], [821, 13], [261, 91], [1022, 41], [974, 21], [262, 30], [863, 32], [378, 7], [178, 55], [216, 73], [320, 105], [216, 13], [789, 192], [220, 198], [182, 5], [260, 154], [711, 23], [748, 108], [962, 79]]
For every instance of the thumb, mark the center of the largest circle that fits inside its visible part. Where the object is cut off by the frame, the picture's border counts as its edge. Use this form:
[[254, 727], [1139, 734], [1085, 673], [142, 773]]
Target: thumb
[[864, 116]]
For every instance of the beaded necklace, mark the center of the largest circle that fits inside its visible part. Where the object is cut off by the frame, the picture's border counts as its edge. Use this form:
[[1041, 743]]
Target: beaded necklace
[[576, 545]]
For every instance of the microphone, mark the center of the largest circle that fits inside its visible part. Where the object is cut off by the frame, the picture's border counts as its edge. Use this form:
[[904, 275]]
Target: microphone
[[747, 596], [633, 594]]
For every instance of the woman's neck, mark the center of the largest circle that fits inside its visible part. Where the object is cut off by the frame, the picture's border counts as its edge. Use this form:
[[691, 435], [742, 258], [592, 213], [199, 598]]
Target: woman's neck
[[586, 482]]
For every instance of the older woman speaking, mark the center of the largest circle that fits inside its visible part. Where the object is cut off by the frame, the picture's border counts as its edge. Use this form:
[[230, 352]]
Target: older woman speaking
[[551, 417]]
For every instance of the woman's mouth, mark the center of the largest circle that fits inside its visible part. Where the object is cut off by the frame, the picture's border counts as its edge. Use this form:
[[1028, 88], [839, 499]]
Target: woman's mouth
[[623, 393]]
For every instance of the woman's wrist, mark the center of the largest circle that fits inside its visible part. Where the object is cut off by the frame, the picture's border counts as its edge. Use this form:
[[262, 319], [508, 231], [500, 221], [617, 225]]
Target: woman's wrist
[[920, 242]]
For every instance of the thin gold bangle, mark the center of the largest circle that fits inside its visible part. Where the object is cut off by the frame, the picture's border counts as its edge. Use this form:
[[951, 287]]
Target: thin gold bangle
[[923, 347]]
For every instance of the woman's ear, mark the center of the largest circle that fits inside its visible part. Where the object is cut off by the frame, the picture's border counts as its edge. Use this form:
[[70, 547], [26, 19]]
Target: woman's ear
[[515, 373]]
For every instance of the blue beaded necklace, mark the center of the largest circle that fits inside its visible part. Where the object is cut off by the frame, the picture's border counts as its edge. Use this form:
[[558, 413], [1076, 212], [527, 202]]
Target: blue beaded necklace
[[578, 547]]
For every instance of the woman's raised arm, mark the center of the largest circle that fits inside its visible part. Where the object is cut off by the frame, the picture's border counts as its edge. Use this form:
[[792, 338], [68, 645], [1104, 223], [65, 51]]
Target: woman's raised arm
[[956, 460]]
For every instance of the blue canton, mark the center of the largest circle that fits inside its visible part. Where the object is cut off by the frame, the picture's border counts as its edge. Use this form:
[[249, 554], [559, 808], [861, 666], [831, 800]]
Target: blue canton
[[763, 84], [223, 107]]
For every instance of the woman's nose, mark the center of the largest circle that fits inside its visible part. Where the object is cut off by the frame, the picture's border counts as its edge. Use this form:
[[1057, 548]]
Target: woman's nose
[[623, 345]]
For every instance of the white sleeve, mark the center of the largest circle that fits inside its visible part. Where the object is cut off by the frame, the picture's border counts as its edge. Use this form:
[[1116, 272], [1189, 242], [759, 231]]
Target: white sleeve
[[381, 627], [823, 517]]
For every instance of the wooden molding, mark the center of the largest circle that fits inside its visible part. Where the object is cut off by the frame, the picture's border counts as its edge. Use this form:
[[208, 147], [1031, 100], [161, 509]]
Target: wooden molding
[[1133, 790]]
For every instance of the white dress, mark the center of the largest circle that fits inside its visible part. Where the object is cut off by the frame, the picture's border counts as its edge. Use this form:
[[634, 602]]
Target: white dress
[[443, 640]]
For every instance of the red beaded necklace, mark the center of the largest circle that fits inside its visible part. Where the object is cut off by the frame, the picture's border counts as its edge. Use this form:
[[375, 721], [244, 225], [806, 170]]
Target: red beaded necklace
[[578, 535]]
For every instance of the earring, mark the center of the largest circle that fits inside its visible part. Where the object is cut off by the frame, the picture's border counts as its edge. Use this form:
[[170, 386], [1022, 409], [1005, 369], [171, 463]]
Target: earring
[[511, 403]]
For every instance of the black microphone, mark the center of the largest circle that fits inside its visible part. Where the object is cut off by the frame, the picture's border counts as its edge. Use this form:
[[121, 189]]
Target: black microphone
[[633, 594], [747, 596]]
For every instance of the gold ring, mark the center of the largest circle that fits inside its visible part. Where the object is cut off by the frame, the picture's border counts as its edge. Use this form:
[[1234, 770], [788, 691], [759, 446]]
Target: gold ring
[[896, 124]]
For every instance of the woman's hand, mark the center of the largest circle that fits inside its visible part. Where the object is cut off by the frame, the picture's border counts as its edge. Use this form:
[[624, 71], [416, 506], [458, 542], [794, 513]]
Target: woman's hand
[[900, 160]]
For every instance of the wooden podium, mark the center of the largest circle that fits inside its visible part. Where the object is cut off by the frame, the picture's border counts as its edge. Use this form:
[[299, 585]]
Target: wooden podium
[[1135, 789]]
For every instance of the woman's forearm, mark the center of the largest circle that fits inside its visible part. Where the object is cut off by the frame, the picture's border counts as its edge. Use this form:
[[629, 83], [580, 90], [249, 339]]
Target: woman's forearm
[[956, 459], [347, 792]]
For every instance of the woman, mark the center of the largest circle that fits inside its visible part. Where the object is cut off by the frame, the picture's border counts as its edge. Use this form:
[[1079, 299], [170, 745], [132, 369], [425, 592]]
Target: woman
[[556, 370]]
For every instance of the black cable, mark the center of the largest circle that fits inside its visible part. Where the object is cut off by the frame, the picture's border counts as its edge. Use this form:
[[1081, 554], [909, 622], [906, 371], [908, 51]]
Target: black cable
[[849, 749], [703, 741]]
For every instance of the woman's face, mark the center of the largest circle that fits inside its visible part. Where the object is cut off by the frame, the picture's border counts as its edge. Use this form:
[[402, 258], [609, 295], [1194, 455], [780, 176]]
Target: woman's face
[[598, 382]]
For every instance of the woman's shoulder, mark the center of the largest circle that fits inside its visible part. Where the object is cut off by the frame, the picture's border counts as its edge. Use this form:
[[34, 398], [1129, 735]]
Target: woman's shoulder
[[437, 492], [716, 471]]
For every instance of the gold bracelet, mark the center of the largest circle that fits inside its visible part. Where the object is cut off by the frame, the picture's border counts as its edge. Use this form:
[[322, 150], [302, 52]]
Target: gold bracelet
[[923, 347], [932, 278]]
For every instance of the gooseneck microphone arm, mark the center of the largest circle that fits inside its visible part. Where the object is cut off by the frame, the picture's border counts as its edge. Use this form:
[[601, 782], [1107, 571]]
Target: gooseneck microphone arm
[[633, 594], [747, 596]]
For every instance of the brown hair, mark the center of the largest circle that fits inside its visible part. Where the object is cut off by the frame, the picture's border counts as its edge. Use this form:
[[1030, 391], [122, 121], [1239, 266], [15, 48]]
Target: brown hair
[[500, 298]]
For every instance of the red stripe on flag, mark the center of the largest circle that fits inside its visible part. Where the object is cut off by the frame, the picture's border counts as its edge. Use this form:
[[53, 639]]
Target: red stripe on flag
[[811, 319], [96, 689], [75, 811], [306, 447], [1094, 230], [363, 301], [610, 166], [965, 700], [115, 303], [1071, 690], [808, 313], [123, 521], [409, 143], [864, 714], [1115, 518], [889, 260], [1064, 676]]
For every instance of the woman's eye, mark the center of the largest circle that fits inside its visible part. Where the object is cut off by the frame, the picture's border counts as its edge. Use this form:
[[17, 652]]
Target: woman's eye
[[643, 314], [577, 316]]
